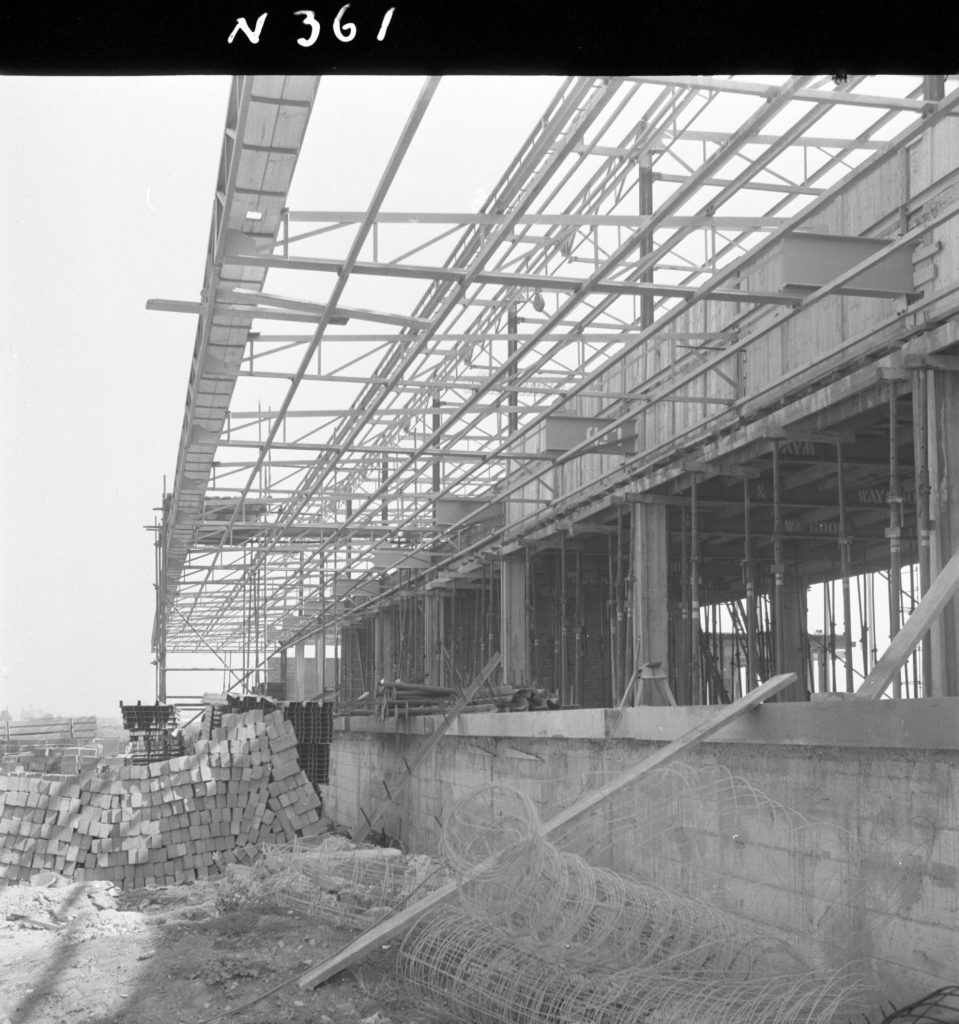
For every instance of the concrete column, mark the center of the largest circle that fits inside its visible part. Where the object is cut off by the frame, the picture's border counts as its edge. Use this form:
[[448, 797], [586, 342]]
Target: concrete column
[[514, 621], [650, 551], [944, 538]]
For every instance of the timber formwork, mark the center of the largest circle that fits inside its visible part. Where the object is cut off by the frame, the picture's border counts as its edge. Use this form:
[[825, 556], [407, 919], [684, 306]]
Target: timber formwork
[[681, 390]]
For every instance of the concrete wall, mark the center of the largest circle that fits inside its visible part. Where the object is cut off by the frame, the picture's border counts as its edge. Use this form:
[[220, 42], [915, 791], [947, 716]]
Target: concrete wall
[[842, 831]]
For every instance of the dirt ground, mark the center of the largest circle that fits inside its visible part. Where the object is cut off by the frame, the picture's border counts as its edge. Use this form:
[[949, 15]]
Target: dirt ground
[[86, 953]]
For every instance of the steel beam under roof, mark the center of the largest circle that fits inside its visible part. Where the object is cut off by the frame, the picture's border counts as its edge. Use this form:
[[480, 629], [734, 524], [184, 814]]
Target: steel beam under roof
[[489, 332], [262, 110]]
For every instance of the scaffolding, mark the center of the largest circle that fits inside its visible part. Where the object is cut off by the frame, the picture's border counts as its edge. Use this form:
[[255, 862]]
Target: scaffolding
[[640, 321]]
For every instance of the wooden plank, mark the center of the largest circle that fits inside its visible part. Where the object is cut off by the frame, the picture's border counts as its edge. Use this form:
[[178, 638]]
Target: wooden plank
[[935, 599], [40, 729], [53, 739], [437, 734], [629, 687], [399, 922], [53, 723]]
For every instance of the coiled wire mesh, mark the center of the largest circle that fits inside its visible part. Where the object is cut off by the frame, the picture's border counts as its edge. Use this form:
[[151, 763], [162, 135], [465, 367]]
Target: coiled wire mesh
[[346, 885], [479, 976], [541, 936], [938, 1007], [524, 886]]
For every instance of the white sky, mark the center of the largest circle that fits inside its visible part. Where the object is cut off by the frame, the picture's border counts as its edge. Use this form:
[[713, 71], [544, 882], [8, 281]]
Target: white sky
[[106, 186]]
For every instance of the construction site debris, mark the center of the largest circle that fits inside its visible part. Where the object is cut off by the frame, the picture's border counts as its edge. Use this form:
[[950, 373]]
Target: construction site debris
[[396, 699], [481, 976], [588, 915], [400, 922], [31, 922], [544, 936], [76, 911], [938, 1007], [166, 822], [406, 700], [342, 883], [527, 699], [178, 955], [402, 699]]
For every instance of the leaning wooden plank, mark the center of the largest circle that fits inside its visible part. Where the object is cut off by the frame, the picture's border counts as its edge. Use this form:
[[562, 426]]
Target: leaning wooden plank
[[401, 921], [940, 591], [449, 716], [629, 686]]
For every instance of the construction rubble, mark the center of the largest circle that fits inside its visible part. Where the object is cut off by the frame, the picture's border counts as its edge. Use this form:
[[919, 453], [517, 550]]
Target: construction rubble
[[179, 954], [342, 884]]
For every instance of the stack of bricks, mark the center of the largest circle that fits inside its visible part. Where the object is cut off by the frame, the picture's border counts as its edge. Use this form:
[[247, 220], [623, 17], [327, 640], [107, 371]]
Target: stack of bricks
[[76, 760], [167, 822]]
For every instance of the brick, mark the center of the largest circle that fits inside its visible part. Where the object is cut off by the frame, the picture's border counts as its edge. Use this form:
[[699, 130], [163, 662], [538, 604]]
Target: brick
[[283, 742], [285, 771]]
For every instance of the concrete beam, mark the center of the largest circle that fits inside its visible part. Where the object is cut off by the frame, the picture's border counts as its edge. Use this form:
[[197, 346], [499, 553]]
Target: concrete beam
[[808, 261], [839, 721]]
